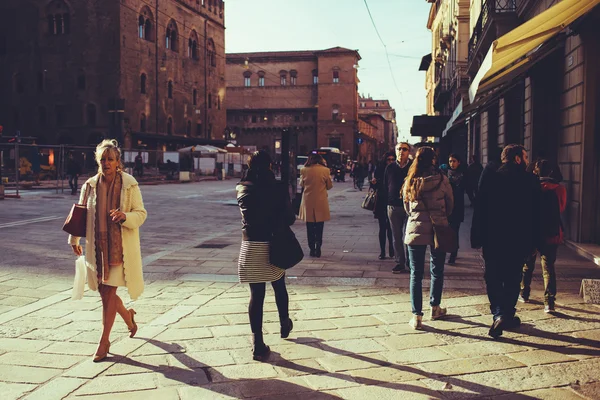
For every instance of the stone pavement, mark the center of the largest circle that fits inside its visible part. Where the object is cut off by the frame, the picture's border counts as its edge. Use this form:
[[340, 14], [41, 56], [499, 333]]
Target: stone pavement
[[350, 339]]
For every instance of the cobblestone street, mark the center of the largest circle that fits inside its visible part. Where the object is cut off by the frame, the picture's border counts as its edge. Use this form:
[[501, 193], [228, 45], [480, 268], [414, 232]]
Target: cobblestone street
[[350, 340]]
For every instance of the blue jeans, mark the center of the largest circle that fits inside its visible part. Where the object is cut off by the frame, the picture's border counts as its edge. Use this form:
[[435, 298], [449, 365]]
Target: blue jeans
[[417, 269]]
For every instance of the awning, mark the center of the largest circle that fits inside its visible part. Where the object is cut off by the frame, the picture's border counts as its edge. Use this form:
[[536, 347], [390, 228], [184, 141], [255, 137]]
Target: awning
[[200, 149], [425, 61], [455, 116], [514, 50], [428, 125]]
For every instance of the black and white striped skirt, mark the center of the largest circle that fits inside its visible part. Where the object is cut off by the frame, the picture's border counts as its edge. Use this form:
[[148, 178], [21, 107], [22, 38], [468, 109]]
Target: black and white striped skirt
[[254, 265]]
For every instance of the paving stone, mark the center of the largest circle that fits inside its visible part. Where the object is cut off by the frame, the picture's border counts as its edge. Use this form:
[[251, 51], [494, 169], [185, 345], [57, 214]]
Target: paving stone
[[249, 371], [410, 341], [546, 394], [470, 365], [306, 315], [414, 356], [175, 376], [12, 344], [39, 360], [162, 394], [302, 326], [281, 386], [346, 363], [15, 391], [588, 391], [15, 301], [201, 359], [71, 348], [36, 294], [20, 374], [232, 330], [234, 342], [116, 384], [172, 334], [356, 346], [42, 323], [355, 322], [351, 333], [12, 332], [537, 357], [201, 322], [220, 391], [389, 391], [138, 365], [287, 367], [330, 381], [56, 389]]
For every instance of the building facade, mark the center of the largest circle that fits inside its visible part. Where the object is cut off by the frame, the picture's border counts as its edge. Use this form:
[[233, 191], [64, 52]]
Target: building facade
[[150, 74], [388, 136], [533, 66], [313, 94]]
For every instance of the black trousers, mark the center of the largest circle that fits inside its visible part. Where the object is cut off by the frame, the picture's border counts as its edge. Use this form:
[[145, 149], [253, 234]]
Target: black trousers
[[73, 183], [503, 283], [257, 301], [314, 231], [456, 228], [385, 230]]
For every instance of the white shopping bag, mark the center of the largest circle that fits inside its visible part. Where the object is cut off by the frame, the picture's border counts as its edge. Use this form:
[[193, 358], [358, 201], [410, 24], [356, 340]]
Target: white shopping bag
[[80, 278]]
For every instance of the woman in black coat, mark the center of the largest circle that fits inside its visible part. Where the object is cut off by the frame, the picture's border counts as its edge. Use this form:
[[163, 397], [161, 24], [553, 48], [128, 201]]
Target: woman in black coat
[[457, 178], [263, 205], [380, 211]]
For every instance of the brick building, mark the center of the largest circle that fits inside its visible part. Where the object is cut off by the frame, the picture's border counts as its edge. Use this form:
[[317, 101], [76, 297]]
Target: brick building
[[311, 93], [382, 111], [77, 71], [534, 68]]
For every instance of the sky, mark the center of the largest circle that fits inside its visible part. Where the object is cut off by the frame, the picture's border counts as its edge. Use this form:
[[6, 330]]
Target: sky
[[279, 25]]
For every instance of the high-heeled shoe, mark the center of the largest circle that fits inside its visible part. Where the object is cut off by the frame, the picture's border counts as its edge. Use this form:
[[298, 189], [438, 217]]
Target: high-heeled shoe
[[133, 328], [99, 356]]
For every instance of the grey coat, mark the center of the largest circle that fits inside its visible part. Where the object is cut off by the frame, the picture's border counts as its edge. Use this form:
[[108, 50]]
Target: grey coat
[[435, 202]]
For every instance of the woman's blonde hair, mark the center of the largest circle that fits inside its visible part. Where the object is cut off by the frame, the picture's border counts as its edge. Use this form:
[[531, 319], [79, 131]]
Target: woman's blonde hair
[[422, 164], [112, 146]]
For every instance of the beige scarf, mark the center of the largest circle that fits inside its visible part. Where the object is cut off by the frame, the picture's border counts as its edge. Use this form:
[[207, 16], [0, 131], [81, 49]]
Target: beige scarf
[[109, 245]]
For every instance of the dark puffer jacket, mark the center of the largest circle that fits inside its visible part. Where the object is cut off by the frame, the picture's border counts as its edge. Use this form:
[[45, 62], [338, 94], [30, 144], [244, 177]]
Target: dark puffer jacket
[[263, 207], [434, 203]]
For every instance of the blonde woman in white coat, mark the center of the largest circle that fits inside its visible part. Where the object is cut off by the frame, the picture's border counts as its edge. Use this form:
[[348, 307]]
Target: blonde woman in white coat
[[115, 213]]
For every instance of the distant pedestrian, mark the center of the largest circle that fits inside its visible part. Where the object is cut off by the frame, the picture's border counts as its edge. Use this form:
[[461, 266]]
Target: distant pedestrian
[[380, 212], [506, 226], [456, 176], [393, 179], [553, 201], [428, 201], [314, 208], [371, 169], [139, 164], [115, 212], [359, 176], [472, 176], [262, 204], [73, 172]]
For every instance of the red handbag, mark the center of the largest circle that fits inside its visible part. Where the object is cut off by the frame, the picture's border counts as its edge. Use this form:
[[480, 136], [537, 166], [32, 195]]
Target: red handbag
[[75, 224]]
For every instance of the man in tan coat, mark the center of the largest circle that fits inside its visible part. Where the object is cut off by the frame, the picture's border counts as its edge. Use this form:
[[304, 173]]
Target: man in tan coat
[[315, 179]]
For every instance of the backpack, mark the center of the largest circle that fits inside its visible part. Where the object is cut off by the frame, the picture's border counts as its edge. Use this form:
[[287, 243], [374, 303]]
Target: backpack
[[550, 222]]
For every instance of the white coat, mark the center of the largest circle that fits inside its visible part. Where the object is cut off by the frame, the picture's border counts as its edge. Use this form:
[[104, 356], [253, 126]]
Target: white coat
[[133, 207]]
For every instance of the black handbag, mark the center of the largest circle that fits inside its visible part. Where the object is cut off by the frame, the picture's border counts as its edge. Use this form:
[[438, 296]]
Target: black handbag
[[370, 200], [284, 249]]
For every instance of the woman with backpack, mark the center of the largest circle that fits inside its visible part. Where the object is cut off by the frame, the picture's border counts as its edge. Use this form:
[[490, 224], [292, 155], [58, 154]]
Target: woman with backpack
[[553, 202], [428, 200]]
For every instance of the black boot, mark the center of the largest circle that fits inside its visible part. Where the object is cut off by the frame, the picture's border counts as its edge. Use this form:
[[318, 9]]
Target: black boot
[[260, 351], [318, 250], [286, 329]]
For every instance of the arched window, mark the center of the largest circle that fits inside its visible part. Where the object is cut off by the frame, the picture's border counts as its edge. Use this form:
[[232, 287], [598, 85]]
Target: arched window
[[170, 89], [188, 128], [336, 75], [247, 75], [59, 18], [195, 97], [283, 78], [145, 24], [293, 77], [193, 46], [170, 126], [90, 112], [143, 79], [261, 78], [315, 74], [171, 36], [143, 123], [210, 53]]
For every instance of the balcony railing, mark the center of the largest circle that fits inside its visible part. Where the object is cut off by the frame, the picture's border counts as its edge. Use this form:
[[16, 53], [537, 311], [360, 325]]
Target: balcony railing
[[490, 9]]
